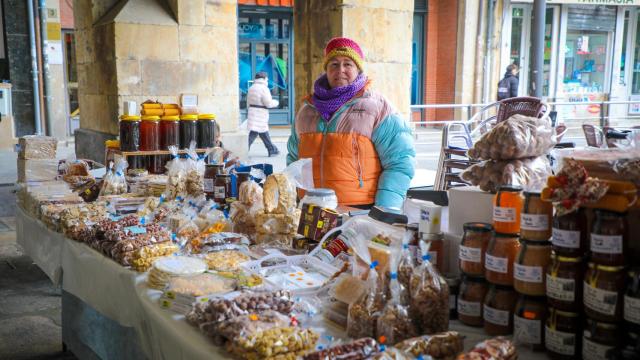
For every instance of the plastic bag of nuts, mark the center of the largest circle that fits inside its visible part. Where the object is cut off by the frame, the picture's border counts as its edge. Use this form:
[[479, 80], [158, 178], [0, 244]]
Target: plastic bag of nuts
[[429, 297], [273, 342], [355, 350], [406, 267], [394, 323], [245, 325], [114, 181], [493, 349], [531, 173], [176, 181], [444, 345]]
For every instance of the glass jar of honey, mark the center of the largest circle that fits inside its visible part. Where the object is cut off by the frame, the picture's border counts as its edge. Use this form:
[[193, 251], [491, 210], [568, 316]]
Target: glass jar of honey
[[564, 279], [129, 133], [473, 247], [169, 132], [603, 292], [608, 238], [530, 267], [150, 133], [569, 234], [535, 219], [206, 130], [528, 321], [472, 293], [188, 130], [498, 261], [497, 310], [563, 334], [507, 205]]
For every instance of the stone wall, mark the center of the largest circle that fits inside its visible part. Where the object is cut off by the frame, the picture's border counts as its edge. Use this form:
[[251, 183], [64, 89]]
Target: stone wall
[[381, 28], [152, 49]]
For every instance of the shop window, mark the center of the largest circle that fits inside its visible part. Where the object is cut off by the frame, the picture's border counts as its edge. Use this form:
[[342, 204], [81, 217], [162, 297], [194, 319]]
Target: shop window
[[516, 36], [417, 58], [635, 84], [623, 58]]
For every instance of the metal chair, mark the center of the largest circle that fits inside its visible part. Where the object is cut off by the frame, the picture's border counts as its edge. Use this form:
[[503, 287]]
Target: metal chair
[[593, 135], [453, 159]]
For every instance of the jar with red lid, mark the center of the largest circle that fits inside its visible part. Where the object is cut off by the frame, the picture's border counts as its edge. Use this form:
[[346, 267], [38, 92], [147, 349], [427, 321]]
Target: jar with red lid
[[530, 267], [497, 310], [608, 238], [474, 244], [498, 261], [603, 292], [535, 219], [569, 234], [472, 293], [632, 300], [169, 132], [563, 334], [507, 205], [150, 133], [599, 338], [564, 279], [529, 321]]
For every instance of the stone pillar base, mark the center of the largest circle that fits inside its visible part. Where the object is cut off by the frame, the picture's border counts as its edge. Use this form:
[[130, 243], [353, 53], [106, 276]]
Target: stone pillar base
[[90, 144]]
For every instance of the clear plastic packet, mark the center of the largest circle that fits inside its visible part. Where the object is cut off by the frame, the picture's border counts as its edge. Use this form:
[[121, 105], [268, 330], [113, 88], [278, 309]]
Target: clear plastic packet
[[210, 241], [406, 266], [364, 312], [250, 194], [517, 137], [176, 182], [530, 173], [226, 260], [444, 345], [394, 323], [279, 195], [359, 349], [429, 297], [274, 343], [492, 349], [244, 325], [115, 182]]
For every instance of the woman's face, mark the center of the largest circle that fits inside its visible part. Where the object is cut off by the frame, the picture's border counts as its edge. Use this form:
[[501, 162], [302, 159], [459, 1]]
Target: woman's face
[[341, 71]]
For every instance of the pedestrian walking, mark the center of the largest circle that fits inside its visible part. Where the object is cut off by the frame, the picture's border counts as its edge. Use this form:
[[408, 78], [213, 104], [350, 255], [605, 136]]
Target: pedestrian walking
[[508, 86], [260, 101]]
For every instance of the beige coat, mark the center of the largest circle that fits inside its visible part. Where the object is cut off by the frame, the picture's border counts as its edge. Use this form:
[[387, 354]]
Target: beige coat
[[258, 118]]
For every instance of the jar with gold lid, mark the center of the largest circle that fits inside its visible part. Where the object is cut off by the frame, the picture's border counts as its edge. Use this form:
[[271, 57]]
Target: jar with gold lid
[[535, 219], [564, 282], [473, 247], [603, 292]]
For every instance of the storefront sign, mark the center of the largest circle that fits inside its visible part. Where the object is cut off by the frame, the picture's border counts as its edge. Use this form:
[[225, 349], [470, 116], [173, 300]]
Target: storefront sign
[[590, 2], [248, 30]]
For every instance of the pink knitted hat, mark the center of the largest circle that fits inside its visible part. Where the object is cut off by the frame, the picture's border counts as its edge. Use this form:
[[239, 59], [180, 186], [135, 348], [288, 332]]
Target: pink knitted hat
[[342, 46]]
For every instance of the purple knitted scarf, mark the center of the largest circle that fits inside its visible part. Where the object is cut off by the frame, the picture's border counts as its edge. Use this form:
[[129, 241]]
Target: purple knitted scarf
[[328, 101]]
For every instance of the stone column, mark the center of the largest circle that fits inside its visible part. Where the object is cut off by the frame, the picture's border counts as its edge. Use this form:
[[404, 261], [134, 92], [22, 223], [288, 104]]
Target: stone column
[[140, 49], [383, 30]]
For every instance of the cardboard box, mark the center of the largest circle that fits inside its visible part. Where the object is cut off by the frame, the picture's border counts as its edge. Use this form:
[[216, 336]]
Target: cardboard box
[[315, 221], [37, 170], [469, 204], [37, 147]]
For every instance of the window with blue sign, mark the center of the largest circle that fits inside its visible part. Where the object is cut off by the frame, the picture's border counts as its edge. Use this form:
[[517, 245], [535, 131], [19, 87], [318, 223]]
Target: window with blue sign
[[265, 44]]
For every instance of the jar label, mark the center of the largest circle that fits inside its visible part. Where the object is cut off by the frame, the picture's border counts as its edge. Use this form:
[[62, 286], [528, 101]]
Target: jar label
[[632, 309], [527, 273], [527, 331], [219, 192], [495, 316], [565, 238], [534, 222], [606, 244], [559, 342], [452, 302], [470, 254], [560, 288], [469, 308], [594, 351], [602, 301], [496, 264], [208, 185], [504, 214]]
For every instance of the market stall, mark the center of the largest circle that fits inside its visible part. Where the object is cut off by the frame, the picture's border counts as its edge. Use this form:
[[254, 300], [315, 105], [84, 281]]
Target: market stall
[[206, 261]]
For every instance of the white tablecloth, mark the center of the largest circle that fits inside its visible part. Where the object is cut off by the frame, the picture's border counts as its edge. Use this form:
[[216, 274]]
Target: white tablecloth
[[122, 295]]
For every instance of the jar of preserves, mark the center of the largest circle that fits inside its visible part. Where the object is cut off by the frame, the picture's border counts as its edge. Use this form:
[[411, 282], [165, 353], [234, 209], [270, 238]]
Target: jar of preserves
[[129, 133], [150, 133], [207, 130], [569, 234], [507, 205], [188, 130], [562, 334], [325, 198], [530, 267], [473, 247], [472, 293], [564, 279], [454, 289], [498, 261], [632, 300], [598, 339], [535, 219], [497, 310], [436, 249], [603, 292], [211, 172], [222, 188], [169, 132], [529, 318], [608, 238]]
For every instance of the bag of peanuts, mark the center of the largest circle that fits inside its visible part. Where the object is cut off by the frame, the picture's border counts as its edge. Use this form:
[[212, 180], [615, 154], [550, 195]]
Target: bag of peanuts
[[394, 323], [530, 173], [115, 182], [429, 297], [176, 182], [517, 137]]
